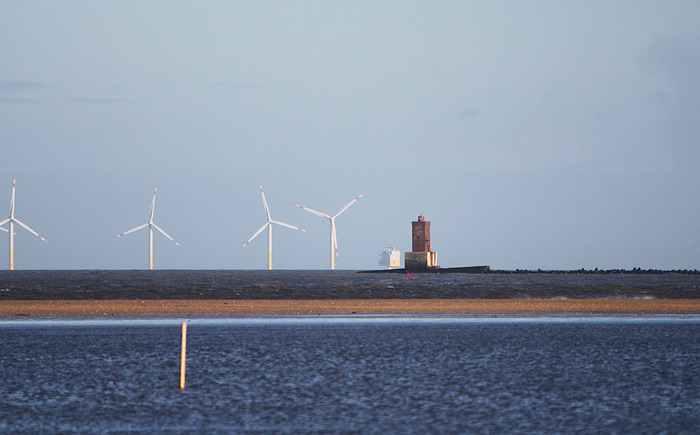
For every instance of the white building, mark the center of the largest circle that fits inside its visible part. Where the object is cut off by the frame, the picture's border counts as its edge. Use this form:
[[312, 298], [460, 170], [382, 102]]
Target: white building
[[390, 257]]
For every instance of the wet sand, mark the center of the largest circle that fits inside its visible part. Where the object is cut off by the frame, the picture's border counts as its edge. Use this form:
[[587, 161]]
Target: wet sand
[[347, 306]]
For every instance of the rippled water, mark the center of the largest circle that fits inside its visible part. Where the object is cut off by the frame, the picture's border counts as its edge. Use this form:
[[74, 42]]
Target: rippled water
[[340, 375], [182, 284]]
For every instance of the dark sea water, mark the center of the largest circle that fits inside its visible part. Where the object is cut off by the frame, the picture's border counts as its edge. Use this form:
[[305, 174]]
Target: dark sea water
[[188, 284], [353, 375], [372, 374]]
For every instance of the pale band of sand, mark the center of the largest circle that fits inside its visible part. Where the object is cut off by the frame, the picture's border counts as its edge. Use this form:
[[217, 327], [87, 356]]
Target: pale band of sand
[[348, 306]]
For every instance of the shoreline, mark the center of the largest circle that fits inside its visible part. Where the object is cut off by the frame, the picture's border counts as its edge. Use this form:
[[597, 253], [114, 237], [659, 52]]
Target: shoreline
[[236, 307]]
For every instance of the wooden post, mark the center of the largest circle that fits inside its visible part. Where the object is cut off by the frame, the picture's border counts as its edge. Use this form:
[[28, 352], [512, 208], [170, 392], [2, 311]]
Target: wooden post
[[182, 355]]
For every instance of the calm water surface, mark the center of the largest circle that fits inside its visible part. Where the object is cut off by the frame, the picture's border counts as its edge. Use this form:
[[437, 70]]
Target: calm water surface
[[342, 375]]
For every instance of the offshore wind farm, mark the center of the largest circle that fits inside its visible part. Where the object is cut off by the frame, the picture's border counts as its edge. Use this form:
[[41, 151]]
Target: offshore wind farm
[[152, 226], [421, 258]]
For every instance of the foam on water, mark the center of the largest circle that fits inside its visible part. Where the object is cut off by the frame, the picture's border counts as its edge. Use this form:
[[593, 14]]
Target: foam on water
[[378, 319]]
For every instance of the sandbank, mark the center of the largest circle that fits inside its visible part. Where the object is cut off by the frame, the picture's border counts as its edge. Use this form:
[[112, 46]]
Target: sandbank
[[346, 306]]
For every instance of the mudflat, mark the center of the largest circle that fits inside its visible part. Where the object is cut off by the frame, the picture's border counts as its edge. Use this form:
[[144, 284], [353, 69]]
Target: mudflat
[[347, 306]]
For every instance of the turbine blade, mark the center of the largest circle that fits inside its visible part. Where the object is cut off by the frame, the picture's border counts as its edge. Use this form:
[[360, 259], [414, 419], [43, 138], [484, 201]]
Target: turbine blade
[[29, 229], [153, 204], [317, 213], [140, 227], [347, 206], [5, 229], [267, 209], [256, 234], [289, 226], [165, 234], [12, 201]]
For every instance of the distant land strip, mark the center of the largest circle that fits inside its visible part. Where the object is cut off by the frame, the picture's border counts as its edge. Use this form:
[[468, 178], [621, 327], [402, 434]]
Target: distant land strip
[[347, 306], [582, 271], [596, 271]]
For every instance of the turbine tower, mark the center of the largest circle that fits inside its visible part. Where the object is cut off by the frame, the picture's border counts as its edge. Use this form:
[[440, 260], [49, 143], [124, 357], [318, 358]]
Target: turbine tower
[[268, 225], [151, 225], [13, 220], [334, 238]]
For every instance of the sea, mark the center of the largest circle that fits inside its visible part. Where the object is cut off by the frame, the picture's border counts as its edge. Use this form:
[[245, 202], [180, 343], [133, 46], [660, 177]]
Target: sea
[[348, 374], [306, 284]]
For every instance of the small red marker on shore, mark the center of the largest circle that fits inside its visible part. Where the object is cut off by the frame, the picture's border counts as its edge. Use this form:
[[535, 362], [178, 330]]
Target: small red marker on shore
[[409, 275]]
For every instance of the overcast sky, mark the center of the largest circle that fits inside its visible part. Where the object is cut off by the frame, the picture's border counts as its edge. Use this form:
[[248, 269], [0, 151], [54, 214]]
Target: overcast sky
[[538, 134]]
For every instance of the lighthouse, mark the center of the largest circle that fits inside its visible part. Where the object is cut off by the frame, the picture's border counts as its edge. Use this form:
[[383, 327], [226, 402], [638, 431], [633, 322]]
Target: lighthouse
[[421, 255]]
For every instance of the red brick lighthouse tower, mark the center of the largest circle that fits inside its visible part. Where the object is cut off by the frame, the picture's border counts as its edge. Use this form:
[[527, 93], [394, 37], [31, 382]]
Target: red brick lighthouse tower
[[421, 235], [421, 256]]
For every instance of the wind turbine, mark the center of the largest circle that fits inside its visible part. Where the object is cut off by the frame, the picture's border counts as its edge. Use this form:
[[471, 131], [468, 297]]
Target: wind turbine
[[151, 225], [13, 220], [334, 238], [268, 225]]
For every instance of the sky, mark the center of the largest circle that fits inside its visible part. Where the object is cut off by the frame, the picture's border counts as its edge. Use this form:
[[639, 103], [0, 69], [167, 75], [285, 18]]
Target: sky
[[539, 134]]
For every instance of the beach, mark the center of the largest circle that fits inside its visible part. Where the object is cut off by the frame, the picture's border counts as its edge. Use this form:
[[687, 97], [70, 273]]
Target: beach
[[235, 307]]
